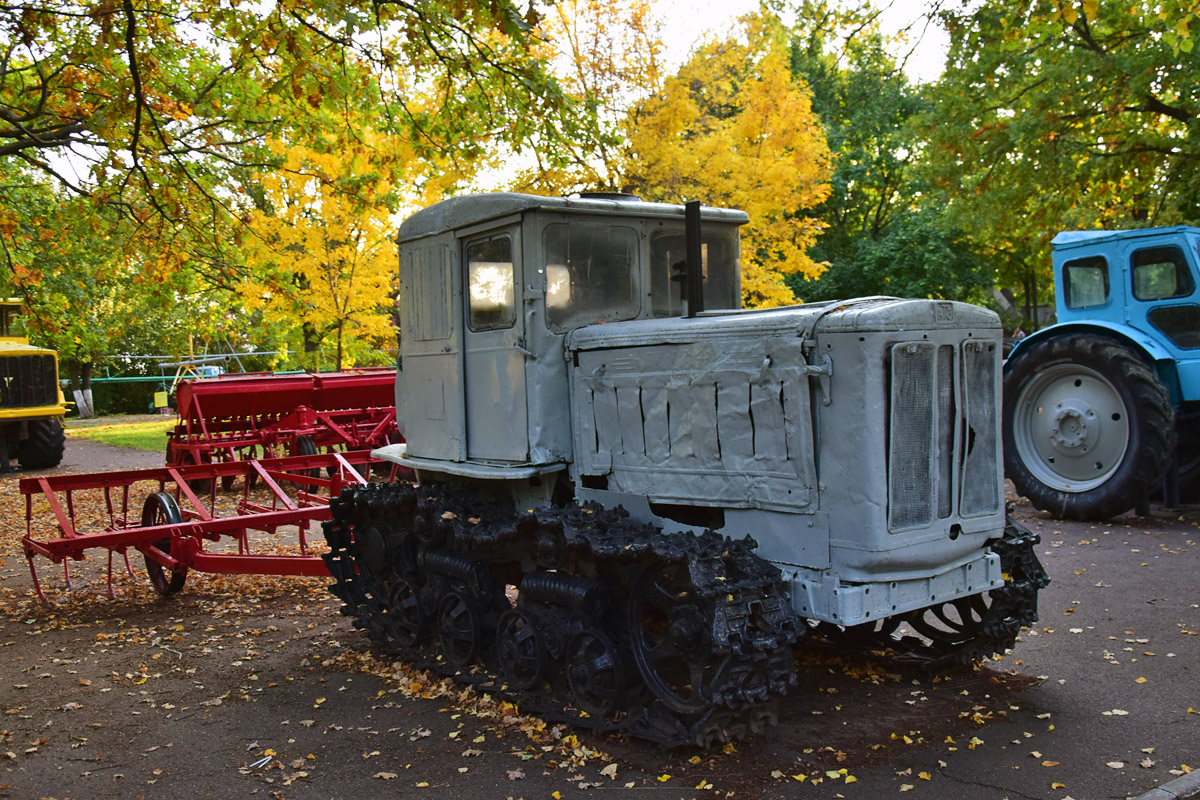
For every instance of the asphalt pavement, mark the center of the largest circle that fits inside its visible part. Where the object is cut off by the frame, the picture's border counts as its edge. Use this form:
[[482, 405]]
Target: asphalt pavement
[[1098, 700]]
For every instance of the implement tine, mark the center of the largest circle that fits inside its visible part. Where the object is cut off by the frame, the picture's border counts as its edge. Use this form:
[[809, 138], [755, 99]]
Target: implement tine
[[37, 584], [112, 594]]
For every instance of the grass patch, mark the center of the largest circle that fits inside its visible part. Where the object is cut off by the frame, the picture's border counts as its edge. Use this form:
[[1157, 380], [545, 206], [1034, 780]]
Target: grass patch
[[131, 435]]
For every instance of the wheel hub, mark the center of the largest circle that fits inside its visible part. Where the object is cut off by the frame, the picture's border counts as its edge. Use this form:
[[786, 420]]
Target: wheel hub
[[1071, 431], [685, 634]]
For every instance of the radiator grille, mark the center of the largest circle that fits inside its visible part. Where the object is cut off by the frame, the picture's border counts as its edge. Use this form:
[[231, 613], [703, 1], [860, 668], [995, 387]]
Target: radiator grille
[[912, 440], [943, 433], [981, 481], [28, 381]]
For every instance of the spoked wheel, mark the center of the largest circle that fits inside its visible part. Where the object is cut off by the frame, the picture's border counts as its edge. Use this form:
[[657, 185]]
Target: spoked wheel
[[197, 485], [951, 624], [459, 629], [519, 648], [160, 508], [672, 644], [405, 618], [595, 674]]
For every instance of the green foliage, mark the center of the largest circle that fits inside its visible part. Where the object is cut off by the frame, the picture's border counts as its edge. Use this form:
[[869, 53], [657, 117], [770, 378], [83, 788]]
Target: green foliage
[[915, 256], [1057, 115], [157, 119], [883, 233]]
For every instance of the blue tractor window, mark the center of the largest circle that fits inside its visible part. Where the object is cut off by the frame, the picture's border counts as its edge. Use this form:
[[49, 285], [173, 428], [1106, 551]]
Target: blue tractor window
[[1085, 281], [1160, 273]]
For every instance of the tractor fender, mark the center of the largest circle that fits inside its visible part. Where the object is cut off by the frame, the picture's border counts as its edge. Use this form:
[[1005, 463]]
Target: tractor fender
[[1154, 353]]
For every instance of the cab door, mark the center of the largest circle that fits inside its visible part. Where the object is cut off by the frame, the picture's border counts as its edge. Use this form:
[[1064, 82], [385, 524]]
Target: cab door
[[494, 356], [1165, 302]]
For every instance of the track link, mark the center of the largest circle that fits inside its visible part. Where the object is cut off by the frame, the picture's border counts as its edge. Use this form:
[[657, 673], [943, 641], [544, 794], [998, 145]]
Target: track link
[[579, 613]]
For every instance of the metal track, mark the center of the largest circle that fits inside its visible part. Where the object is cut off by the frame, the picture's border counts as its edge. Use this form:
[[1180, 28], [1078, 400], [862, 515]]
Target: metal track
[[585, 616], [579, 613]]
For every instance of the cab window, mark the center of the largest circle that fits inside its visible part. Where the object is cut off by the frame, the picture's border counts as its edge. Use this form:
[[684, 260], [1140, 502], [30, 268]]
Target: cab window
[[1160, 273], [591, 274], [1085, 282], [490, 284], [718, 265]]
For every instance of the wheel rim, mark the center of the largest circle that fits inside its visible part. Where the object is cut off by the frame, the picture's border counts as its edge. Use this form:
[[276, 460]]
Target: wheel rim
[[594, 674], [1071, 428], [458, 629], [519, 648], [671, 638], [305, 446]]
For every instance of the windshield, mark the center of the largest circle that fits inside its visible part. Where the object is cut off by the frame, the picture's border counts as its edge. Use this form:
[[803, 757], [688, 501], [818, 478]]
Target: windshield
[[591, 274]]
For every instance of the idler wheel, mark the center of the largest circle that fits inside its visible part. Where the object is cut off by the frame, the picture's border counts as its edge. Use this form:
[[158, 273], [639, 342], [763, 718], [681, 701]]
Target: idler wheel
[[519, 647], [953, 623], [670, 631], [406, 619]]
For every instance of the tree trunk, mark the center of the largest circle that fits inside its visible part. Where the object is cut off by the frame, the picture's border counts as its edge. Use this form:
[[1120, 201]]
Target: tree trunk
[[340, 329]]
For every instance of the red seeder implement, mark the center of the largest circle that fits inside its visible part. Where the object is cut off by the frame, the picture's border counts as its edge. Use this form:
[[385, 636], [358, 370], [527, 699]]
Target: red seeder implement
[[240, 417], [157, 512]]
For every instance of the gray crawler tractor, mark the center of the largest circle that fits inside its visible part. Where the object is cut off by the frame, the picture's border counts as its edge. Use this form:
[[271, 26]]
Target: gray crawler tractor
[[634, 498]]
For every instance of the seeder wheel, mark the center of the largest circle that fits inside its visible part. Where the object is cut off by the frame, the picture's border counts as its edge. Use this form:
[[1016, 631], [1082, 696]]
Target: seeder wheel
[[160, 508]]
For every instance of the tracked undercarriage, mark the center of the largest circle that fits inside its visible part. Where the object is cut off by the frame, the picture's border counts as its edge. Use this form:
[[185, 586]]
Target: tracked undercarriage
[[587, 616]]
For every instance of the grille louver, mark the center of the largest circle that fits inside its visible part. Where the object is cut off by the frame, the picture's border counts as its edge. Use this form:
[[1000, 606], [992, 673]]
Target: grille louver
[[28, 381]]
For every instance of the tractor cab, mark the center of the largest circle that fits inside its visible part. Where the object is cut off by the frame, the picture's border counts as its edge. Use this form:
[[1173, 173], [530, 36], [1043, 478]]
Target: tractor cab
[[491, 286]]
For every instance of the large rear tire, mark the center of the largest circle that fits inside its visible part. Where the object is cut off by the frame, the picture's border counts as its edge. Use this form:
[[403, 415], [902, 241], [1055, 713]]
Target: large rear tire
[[1088, 427], [45, 446]]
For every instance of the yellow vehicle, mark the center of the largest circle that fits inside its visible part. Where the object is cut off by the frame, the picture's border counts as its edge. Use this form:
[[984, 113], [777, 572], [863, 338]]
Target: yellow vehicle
[[31, 402]]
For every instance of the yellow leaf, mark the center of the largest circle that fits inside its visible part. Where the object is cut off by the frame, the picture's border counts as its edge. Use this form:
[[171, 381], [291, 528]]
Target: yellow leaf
[[664, 778], [1057, 785], [925, 776]]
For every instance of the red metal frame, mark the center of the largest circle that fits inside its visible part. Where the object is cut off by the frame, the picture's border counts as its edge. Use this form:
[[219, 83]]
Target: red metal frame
[[240, 417], [199, 522]]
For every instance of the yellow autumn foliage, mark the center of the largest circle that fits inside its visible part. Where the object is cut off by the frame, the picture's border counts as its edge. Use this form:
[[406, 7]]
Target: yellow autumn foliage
[[321, 255], [734, 128]]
